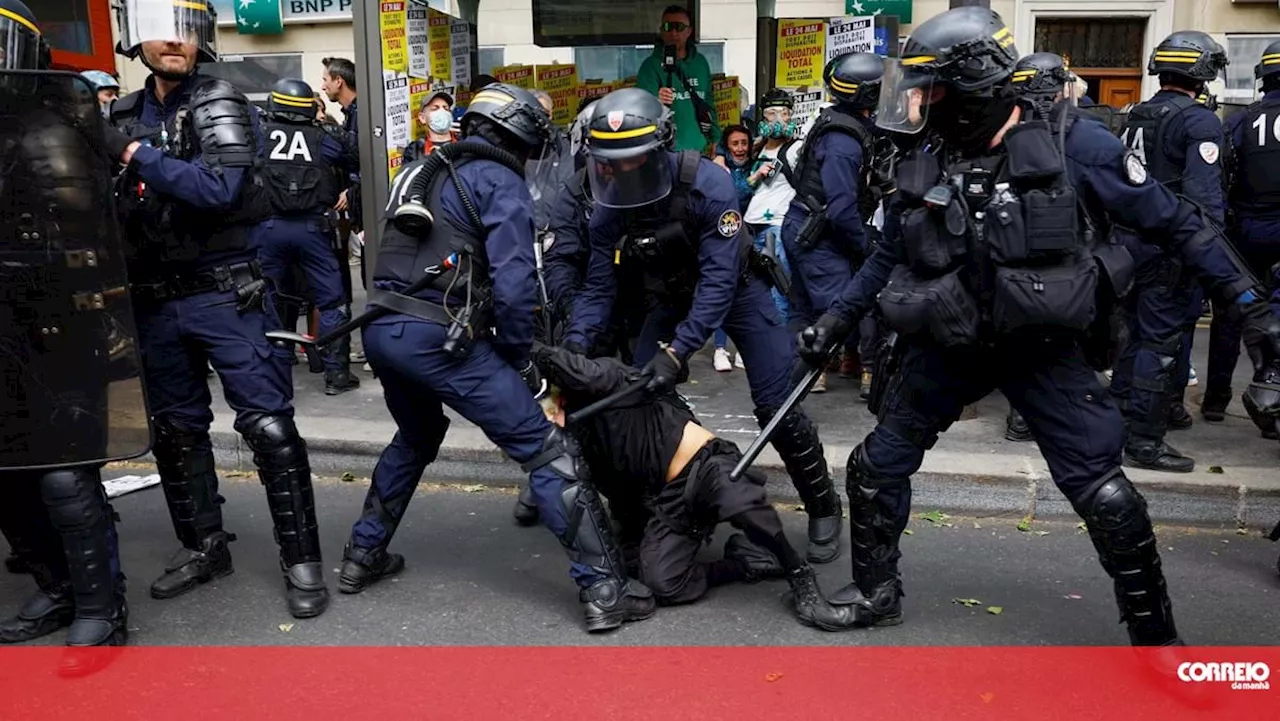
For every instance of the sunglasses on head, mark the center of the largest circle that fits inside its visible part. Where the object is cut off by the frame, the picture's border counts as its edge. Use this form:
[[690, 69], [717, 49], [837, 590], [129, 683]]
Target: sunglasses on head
[[674, 27]]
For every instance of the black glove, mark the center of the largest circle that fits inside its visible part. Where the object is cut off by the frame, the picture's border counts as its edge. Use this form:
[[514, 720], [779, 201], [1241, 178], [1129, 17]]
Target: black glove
[[116, 142], [1261, 331], [533, 379], [816, 341], [663, 371]]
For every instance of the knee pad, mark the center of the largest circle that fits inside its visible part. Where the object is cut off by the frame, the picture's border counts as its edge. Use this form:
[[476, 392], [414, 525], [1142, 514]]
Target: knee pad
[[434, 439], [1116, 511], [74, 498], [588, 536], [559, 451], [274, 441], [862, 479], [1261, 400], [171, 438]]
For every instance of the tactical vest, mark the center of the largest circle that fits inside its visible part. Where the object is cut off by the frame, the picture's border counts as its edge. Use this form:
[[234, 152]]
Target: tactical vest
[[454, 251], [806, 177], [293, 174], [159, 229], [1257, 186], [999, 244], [1145, 131]]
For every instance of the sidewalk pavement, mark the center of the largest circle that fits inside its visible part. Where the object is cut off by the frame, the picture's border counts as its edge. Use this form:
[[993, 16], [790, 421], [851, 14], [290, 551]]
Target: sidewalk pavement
[[972, 469]]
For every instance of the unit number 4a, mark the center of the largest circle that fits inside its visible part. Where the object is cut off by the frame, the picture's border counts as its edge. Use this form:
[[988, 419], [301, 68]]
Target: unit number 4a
[[1261, 126], [1132, 139]]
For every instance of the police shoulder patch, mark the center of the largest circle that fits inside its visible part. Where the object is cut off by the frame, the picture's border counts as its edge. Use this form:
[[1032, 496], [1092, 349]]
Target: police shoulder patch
[[1209, 152], [730, 223], [1134, 169]]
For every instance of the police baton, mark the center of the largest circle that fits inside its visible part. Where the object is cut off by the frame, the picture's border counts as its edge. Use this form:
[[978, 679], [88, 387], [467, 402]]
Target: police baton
[[605, 403], [793, 400]]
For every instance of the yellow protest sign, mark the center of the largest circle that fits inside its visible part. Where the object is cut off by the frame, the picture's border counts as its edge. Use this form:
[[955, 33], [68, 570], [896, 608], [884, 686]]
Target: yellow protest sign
[[418, 90], [395, 40], [438, 46], [727, 100], [561, 83], [395, 160], [594, 90], [520, 76], [801, 53]]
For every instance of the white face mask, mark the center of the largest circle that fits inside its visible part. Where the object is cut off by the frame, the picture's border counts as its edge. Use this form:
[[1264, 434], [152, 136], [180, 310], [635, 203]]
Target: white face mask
[[440, 120]]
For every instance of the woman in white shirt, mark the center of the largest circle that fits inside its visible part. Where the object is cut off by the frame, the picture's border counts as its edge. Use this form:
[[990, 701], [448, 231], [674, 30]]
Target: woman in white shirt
[[773, 193]]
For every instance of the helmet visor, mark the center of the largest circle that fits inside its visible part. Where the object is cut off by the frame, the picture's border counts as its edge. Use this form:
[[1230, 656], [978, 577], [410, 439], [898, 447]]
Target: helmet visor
[[630, 182], [905, 95], [19, 42], [190, 22]]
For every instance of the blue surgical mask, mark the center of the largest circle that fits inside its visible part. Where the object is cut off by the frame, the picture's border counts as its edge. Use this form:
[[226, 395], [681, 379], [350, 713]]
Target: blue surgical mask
[[440, 120]]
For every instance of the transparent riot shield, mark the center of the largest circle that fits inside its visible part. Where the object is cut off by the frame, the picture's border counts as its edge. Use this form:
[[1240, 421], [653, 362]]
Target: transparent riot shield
[[69, 357]]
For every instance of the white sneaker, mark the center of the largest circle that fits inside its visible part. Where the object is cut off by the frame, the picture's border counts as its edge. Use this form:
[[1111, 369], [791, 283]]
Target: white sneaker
[[820, 386], [721, 360], [737, 361], [1191, 377], [368, 368]]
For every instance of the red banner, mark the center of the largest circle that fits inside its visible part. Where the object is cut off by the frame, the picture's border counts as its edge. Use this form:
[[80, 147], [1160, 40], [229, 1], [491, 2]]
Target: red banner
[[616, 683]]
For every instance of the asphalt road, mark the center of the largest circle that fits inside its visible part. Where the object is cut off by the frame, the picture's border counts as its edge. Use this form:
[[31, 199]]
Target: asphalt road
[[473, 577]]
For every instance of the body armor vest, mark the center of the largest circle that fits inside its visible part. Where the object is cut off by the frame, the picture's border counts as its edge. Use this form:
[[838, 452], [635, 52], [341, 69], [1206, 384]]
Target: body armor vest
[[998, 244], [1257, 186], [293, 174], [454, 251], [160, 230], [806, 177], [1145, 132], [660, 243]]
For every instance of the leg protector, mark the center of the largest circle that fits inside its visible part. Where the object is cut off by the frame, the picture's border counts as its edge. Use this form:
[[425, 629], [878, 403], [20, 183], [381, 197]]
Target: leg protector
[[1116, 516], [79, 510], [873, 539], [797, 442], [190, 483], [1148, 416]]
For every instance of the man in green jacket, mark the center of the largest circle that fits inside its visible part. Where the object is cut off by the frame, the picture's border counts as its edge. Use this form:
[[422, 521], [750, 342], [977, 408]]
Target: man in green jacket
[[673, 77]]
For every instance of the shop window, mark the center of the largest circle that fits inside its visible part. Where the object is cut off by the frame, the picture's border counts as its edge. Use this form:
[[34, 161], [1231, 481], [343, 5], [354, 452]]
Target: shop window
[[1244, 52], [79, 32], [616, 63], [254, 75], [1094, 42]]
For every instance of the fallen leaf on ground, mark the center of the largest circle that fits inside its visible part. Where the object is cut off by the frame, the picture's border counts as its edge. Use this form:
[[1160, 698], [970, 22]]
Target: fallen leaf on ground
[[1081, 526], [936, 517], [474, 488], [909, 532], [286, 627], [237, 474], [771, 677], [348, 477], [1215, 469], [1240, 532], [967, 602], [1042, 533], [1025, 524], [995, 610], [975, 525]]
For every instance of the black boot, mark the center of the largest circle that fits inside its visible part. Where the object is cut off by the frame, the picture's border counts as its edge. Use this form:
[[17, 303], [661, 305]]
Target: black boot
[[796, 441], [79, 511], [281, 457], [611, 602], [812, 609], [757, 563], [526, 509], [1179, 418], [338, 377], [1155, 455], [1214, 406], [1120, 529], [873, 544], [44, 612], [14, 564], [362, 567], [190, 484], [1016, 428]]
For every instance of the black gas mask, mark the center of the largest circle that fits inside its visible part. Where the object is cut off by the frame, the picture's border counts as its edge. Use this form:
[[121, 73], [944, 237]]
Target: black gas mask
[[969, 123]]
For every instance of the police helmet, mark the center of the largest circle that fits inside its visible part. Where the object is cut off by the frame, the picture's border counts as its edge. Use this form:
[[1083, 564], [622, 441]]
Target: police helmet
[[190, 22], [1190, 54], [22, 47], [1040, 76], [628, 137], [1268, 68], [853, 79], [578, 130], [293, 99], [100, 80], [965, 52], [521, 122]]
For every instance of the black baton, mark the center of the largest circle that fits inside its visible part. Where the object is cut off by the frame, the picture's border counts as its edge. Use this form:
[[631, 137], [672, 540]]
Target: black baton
[[605, 403], [284, 338], [793, 400]]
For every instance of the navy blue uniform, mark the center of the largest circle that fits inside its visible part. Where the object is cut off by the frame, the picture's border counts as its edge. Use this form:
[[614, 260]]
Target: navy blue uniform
[[419, 378], [821, 271], [1182, 151], [1254, 198], [725, 295]]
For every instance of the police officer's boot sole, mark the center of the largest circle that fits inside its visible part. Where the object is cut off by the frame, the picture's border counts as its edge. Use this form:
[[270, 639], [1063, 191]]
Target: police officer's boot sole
[[608, 604], [1158, 458], [192, 568], [355, 577], [824, 539], [42, 614]]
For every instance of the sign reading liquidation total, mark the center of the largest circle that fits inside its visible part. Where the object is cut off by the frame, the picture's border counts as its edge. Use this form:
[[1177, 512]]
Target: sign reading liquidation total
[[801, 45]]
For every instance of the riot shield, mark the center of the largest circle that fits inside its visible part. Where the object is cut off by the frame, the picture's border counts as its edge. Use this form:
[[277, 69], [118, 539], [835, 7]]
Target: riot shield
[[69, 356]]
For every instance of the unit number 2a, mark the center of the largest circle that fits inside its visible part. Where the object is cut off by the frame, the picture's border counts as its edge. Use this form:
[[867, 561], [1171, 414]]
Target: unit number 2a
[[1261, 126]]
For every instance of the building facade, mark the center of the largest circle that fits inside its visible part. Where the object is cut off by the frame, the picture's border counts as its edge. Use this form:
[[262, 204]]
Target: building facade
[[1106, 41]]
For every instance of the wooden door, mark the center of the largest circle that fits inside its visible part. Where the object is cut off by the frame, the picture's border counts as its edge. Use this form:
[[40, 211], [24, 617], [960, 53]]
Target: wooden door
[[1119, 92]]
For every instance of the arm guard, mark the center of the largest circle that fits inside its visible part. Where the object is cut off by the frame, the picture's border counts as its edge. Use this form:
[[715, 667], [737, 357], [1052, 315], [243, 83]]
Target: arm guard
[[222, 121]]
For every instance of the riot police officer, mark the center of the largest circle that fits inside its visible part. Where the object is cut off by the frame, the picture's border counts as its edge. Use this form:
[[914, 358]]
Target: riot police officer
[[1178, 139], [68, 342], [188, 143], [465, 266], [673, 219], [1253, 196], [1014, 316], [824, 232], [297, 178]]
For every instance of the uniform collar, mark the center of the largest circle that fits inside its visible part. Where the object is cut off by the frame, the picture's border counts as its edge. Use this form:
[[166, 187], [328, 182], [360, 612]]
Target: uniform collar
[[173, 99]]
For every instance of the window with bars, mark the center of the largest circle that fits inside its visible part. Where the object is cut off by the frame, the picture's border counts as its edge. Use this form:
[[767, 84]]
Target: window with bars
[[1093, 42]]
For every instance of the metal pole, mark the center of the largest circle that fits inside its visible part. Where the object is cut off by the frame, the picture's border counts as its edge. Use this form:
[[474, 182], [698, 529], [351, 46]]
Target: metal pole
[[372, 138], [766, 46]]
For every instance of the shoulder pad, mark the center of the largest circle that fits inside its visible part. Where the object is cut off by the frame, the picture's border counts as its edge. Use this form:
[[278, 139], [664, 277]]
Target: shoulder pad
[[223, 123], [689, 161], [126, 106]]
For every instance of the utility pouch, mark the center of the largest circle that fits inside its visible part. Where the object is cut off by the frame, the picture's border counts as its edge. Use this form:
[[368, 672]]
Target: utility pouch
[[1056, 296], [940, 308]]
